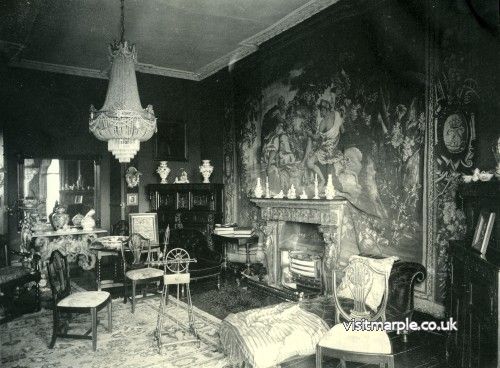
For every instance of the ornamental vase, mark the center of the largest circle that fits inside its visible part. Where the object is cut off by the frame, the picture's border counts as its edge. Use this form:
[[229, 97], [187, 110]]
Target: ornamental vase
[[59, 218], [163, 170], [206, 170]]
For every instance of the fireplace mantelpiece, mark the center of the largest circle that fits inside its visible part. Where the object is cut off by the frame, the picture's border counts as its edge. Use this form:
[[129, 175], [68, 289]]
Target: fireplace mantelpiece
[[328, 214]]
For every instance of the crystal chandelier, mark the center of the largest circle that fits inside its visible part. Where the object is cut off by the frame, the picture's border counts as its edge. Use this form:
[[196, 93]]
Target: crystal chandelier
[[122, 121]]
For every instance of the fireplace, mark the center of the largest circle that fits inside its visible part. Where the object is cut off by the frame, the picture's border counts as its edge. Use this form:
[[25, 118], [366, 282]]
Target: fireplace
[[300, 241]]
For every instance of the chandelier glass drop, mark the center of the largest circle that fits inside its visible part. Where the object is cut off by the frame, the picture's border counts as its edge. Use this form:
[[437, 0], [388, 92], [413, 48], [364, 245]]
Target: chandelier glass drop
[[122, 121]]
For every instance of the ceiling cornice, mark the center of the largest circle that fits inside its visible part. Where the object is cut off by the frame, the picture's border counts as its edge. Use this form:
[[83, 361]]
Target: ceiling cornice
[[245, 48]]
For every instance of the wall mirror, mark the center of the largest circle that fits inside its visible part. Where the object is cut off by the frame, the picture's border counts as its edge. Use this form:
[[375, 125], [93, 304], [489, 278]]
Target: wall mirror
[[72, 182]]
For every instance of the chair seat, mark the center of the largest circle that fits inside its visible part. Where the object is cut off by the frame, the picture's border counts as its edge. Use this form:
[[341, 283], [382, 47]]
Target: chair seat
[[84, 299], [144, 273], [368, 342], [11, 273]]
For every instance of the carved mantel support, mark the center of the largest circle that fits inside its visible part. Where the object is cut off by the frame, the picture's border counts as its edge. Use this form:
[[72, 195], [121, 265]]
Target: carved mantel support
[[276, 212]]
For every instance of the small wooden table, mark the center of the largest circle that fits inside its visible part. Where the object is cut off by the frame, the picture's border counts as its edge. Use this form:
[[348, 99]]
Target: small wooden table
[[226, 239]]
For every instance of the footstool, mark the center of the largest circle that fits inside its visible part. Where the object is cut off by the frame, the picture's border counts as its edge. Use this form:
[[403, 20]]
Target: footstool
[[268, 336]]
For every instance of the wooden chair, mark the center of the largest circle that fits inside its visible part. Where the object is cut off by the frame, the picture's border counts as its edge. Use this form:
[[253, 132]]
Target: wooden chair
[[372, 347], [136, 267], [80, 302]]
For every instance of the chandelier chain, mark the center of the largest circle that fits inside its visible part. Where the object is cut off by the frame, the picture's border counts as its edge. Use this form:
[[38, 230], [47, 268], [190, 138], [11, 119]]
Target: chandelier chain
[[122, 30]]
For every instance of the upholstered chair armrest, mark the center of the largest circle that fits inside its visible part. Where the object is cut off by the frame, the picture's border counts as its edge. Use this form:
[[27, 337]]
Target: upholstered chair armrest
[[404, 277]]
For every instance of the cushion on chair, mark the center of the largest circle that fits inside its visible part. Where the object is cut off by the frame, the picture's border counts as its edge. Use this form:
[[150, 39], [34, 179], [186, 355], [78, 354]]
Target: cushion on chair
[[84, 299], [144, 273], [370, 342], [11, 273]]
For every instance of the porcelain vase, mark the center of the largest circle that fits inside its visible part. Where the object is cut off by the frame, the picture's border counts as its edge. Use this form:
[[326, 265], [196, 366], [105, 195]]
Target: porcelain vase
[[163, 170], [59, 218], [206, 170]]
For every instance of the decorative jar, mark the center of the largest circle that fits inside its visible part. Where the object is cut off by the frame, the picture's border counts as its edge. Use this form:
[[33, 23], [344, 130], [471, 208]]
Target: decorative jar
[[59, 218], [163, 170], [206, 170]]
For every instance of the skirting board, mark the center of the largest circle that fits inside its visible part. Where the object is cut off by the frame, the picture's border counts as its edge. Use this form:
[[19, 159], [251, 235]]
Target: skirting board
[[426, 306]]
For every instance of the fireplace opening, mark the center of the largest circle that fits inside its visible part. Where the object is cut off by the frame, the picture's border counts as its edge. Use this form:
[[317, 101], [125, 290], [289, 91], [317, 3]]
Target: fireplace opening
[[301, 247]]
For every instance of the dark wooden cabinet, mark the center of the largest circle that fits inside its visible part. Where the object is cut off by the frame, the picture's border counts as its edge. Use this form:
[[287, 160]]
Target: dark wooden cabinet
[[473, 293], [473, 301], [194, 205]]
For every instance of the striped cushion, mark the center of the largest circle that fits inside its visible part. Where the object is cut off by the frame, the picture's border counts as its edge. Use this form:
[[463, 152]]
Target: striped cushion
[[267, 336], [84, 299]]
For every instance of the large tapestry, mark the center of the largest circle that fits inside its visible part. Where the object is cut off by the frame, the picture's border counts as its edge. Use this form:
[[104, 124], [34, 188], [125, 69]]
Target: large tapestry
[[340, 109]]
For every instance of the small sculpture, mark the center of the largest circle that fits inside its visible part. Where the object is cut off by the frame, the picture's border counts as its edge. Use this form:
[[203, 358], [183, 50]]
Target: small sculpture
[[183, 178], [329, 189], [258, 192], [291, 193], [303, 195], [88, 222], [316, 189], [206, 170], [280, 195], [132, 177], [163, 170], [268, 192]]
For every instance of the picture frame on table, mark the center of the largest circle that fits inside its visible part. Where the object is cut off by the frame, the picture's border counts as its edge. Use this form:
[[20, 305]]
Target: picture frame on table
[[145, 224], [171, 141], [483, 231], [132, 199]]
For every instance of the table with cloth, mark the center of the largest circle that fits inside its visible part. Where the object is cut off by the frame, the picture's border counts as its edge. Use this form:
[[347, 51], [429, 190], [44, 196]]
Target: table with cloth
[[268, 336]]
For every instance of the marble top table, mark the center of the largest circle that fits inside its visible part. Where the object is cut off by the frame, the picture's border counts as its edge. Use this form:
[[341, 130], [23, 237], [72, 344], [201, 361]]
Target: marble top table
[[74, 243]]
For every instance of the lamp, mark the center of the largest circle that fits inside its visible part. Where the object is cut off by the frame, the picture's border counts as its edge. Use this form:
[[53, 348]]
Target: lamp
[[122, 121]]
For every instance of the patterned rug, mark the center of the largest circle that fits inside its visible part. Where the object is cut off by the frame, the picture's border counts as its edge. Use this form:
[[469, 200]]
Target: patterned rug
[[23, 342]]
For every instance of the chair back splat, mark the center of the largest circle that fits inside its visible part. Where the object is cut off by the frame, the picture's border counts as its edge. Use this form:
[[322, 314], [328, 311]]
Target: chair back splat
[[58, 274], [358, 279]]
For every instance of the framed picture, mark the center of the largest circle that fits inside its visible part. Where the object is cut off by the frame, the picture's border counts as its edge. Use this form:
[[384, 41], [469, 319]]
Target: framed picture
[[145, 224], [78, 199], [171, 141], [483, 231], [132, 199]]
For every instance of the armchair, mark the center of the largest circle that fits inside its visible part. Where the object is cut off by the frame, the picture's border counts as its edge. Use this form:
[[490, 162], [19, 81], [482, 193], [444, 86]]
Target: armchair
[[19, 288], [195, 243]]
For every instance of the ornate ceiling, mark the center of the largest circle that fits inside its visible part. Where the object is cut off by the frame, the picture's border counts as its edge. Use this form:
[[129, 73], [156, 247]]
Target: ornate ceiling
[[189, 39]]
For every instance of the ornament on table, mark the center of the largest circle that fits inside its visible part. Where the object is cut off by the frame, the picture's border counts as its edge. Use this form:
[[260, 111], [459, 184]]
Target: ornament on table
[[496, 153], [132, 177], [88, 222], [59, 218], [258, 191], [329, 189], [183, 178], [475, 174], [279, 195], [316, 189], [303, 195], [268, 192], [77, 220], [163, 170], [292, 194], [206, 170]]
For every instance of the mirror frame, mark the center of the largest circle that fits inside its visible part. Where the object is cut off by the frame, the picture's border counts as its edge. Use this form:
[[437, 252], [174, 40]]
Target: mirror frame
[[97, 177]]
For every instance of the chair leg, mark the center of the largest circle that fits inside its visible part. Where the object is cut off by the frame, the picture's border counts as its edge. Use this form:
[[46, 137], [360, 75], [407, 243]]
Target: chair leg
[[133, 296], [93, 312], [125, 292], [390, 363], [318, 356], [343, 364], [110, 316], [55, 328]]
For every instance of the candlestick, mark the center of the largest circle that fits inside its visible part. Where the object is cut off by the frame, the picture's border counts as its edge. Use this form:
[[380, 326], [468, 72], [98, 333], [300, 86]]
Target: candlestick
[[258, 189], [316, 189], [268, 192]]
